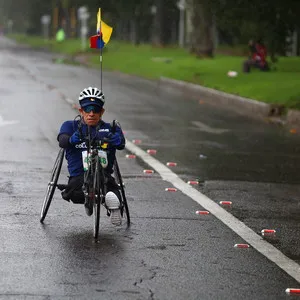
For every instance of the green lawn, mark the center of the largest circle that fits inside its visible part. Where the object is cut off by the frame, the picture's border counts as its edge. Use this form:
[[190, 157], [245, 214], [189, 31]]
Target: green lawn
[[280, 86]]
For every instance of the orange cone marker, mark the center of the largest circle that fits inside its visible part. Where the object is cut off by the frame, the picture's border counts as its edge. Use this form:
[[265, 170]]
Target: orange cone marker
[[268, 232], [241, 246], [228, 203], [151, 151], [137, 142], [171, 164], [291, 291], [202, 212], [193, 182], [171, 190]]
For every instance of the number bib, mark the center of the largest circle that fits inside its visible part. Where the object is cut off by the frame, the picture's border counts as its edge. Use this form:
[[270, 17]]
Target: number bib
[[85, 160], [103, 158]]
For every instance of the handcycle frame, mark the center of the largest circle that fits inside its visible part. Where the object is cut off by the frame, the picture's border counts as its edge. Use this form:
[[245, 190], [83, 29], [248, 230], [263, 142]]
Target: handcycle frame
[[94, 186], [95, 182]]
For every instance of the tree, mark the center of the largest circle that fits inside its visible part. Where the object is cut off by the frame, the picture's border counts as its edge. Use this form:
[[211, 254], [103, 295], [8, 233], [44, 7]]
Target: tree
[[269, 20], [202, 40]]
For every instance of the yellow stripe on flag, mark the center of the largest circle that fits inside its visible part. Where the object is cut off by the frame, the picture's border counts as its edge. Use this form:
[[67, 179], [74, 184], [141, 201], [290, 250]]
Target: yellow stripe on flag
[[98, 20], [104, 28], [106, 32]]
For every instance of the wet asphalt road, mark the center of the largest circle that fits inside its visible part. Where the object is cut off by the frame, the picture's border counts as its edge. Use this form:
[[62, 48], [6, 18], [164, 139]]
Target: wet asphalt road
[[169, 252]]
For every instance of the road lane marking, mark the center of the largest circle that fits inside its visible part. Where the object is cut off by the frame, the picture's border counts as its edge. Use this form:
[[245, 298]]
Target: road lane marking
[[247, 234], [68, 100], [4, 123], [203, 127]]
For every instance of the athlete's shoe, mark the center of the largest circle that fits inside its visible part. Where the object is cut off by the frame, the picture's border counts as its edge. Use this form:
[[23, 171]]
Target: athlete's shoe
[[113, 204]]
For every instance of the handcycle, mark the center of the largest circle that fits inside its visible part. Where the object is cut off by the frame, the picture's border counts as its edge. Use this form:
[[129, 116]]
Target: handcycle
[[95, 181]]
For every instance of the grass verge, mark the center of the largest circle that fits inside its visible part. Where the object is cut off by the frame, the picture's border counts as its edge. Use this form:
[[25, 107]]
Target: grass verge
[[280, 86]]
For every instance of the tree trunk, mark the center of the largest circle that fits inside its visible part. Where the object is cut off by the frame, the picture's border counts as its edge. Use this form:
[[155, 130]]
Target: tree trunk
[[157, 39], [134, 31], [202, 34], [126, 30], [118, 29], [174, 33]]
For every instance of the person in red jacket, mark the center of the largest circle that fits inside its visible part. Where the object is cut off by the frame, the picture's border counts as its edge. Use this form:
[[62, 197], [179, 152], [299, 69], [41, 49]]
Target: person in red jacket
[[258, 57]]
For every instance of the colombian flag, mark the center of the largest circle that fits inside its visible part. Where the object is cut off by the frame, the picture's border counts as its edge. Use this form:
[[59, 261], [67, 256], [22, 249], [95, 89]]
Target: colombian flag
[[103, 34]]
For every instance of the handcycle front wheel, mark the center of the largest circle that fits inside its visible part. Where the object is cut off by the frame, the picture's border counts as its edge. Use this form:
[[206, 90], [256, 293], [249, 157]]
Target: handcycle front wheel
[[52, 184], [95, 193]]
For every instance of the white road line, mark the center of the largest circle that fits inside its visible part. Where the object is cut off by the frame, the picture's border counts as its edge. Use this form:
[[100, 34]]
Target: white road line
[[203, 127], [4, 123], [70, 101], [247, 234]]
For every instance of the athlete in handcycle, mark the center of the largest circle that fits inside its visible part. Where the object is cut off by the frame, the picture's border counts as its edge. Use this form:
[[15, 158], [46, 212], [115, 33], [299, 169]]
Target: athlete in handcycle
[[75, 138]]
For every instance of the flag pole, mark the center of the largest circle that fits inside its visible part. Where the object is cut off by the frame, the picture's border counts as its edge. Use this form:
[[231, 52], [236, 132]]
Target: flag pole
[[101, 51], [101, 60]]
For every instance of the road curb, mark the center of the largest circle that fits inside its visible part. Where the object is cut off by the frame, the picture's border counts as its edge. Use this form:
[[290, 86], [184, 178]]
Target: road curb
[[241, 105], [245, 106], [293, 117]]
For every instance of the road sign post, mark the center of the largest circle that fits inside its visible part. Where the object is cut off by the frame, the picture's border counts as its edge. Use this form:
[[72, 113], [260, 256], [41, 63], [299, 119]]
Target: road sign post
[[10, 24], [181, 6], [83, 16], [45, 20]]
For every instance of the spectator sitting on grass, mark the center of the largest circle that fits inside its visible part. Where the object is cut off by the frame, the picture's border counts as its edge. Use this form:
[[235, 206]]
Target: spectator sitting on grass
[[257, 58]]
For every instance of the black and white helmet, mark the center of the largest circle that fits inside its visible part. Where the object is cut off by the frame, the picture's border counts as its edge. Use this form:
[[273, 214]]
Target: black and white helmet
[[91, 94]]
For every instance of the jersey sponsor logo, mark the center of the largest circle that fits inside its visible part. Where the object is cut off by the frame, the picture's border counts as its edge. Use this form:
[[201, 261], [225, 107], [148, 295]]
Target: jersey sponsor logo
[[103, 130], [81, 146]]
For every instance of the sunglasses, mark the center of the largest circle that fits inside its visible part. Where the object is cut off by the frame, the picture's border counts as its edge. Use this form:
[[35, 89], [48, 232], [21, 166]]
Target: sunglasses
[[94, 108]]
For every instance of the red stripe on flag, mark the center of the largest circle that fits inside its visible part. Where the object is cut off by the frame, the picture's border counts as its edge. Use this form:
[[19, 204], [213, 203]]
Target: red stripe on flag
[[96, 41]]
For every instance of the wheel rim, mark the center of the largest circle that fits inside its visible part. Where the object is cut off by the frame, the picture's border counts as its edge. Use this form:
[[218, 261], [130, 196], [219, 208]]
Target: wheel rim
[[52, 184]]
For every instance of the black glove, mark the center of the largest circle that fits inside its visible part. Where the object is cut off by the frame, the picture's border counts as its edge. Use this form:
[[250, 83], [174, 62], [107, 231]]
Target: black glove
[[114, 139]]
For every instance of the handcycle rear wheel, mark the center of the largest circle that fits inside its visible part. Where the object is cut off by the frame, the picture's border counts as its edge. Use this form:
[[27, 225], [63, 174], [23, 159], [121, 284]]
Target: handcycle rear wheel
[[124, 204], [52, 184]]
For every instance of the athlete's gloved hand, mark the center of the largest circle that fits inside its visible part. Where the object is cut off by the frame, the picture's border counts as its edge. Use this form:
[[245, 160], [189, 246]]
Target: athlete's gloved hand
[[75, 138], [102, 135], [114, 139]]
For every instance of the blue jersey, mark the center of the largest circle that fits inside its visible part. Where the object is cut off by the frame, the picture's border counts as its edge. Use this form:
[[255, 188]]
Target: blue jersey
[[73, 152]]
